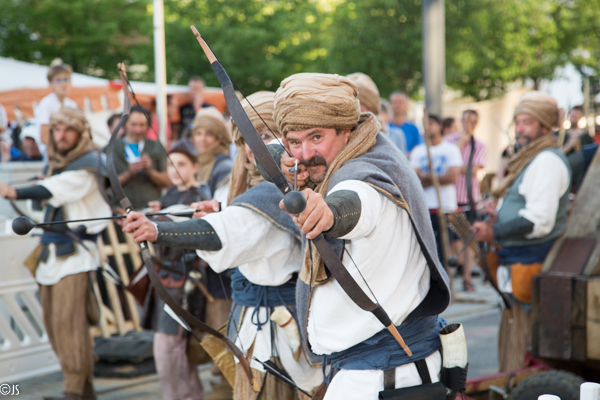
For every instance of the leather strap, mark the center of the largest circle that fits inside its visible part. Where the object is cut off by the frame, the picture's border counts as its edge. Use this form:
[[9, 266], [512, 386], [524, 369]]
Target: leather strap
[[389, 379], [423, 371]]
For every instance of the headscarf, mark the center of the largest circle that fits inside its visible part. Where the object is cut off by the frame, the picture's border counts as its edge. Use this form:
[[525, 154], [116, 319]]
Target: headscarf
[[311, 100], [73, 118], [210, 119], [244, 173], [368, 94], [541, 106]]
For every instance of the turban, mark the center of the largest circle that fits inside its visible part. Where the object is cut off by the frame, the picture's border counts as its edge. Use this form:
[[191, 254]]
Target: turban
[[541, 106], [368, 94], [310, 100], [263, 105], [244, 173], [73, 118], [212, 120]]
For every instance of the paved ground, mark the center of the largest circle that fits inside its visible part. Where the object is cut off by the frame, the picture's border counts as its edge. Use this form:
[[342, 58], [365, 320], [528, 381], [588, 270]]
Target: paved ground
[[478, 312]]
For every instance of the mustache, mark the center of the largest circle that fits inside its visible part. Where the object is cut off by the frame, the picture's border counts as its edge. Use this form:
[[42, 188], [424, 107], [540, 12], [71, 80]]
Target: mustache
[[314, 161]]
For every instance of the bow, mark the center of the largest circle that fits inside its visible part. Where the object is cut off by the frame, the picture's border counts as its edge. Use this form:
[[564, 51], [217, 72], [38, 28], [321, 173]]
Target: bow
[[263, 156], [119, 193]]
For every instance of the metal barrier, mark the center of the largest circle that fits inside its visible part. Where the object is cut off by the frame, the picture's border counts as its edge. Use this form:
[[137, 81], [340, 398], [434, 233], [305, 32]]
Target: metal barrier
[[24, 348]]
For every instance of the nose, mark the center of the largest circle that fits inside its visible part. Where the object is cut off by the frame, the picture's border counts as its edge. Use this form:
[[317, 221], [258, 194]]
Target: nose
[[307, 151]]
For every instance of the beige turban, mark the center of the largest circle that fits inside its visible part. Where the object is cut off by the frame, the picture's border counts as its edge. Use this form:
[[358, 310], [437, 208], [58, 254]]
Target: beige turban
[[263, 104], [368, 94], [212, 120], [542, 106], [312, 100], [73, 118], [244, 173]]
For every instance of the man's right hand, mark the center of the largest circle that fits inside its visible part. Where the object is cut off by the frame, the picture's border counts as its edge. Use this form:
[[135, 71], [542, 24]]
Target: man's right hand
[[135, 168], [288, 163], [7, 191], [140, 226], [205, 207]]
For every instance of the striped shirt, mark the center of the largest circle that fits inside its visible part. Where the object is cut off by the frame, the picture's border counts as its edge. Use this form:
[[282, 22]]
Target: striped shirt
[[479, 160]]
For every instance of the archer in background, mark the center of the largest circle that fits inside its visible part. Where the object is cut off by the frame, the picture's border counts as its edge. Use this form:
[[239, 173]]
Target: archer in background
[[67, 253], [533, 199]]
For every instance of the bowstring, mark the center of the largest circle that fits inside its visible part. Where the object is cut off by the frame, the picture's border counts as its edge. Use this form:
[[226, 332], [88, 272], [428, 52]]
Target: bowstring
[[257, 113], [361, 275]]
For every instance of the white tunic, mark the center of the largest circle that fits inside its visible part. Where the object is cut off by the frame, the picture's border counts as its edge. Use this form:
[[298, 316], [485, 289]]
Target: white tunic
[[384, 247], [544, 182], [267, 256], [78, 193]]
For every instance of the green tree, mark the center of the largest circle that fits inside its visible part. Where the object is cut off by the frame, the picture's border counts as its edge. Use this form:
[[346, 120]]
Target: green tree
[[92, 36], [381, 38], [259, 43]]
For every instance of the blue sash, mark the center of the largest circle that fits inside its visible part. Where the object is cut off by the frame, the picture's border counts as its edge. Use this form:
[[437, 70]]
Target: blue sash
[[382, 352], [246, 293]]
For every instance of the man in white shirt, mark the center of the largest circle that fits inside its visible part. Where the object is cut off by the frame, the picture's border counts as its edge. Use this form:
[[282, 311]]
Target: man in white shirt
[[59, 78], [71, 189], [446, 160], [531, 214], [368, 203]]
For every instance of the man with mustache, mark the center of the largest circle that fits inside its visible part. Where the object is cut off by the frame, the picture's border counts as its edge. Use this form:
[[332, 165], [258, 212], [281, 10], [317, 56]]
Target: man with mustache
[[363, 195], [531, 214], [71, 190]]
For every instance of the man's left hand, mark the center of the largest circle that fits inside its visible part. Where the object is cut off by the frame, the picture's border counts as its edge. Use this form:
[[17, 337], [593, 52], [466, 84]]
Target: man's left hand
[[7, 191], [485, 233], [316, 217]]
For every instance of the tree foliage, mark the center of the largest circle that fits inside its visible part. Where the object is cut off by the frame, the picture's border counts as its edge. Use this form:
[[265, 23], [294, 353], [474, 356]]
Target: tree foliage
[[489, 43]]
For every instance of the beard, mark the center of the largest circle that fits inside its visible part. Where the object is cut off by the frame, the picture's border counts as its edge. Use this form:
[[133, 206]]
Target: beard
[[315, 161], [523, 141]]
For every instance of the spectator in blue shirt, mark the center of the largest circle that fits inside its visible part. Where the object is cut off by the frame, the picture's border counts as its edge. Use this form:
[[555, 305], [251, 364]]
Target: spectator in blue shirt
[[399, 102]]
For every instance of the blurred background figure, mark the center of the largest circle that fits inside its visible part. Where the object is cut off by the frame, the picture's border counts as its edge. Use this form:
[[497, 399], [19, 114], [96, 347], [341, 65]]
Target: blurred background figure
[[30, 142], [59, 78], [449, 126], [141, 163], [112, 123], [474, 157], [384, 116], [447, 161], [577, 136], [188, 111], [399, 125]]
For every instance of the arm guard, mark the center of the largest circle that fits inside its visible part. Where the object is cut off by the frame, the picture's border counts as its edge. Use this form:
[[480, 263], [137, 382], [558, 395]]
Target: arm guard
[[517, 227], [37, 192], [195, 234], [346, 208]]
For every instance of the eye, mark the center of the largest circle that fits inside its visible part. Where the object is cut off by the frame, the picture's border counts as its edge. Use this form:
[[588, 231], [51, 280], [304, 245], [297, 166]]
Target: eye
[[266, 136]]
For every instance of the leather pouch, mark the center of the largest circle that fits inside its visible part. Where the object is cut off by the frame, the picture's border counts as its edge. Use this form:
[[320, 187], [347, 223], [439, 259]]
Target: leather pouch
[[429, 391], [32, 261], [521, 276]]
